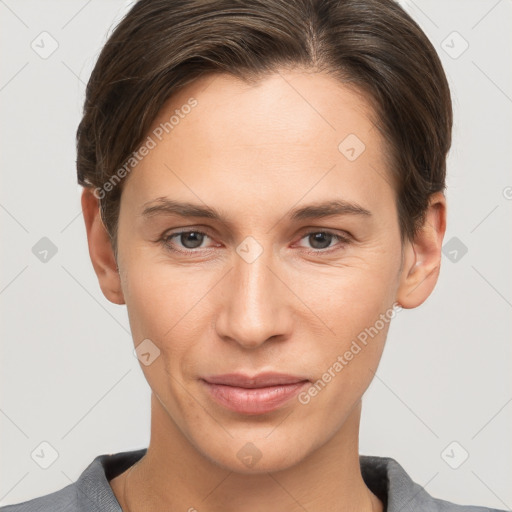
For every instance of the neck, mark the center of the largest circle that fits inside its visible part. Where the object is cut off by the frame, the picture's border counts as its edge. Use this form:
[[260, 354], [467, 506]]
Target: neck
[[174, 475]]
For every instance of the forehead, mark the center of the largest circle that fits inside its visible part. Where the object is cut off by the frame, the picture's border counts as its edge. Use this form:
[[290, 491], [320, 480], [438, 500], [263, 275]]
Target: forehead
[[270, 139], [297, 108]]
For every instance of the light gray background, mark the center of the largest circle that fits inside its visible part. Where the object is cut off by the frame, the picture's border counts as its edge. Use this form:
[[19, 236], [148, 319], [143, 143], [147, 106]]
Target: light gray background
[[68, 373]]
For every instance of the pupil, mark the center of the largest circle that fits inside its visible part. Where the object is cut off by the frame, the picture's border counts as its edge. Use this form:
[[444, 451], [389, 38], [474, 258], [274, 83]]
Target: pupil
[[317, 237], [186, 237]]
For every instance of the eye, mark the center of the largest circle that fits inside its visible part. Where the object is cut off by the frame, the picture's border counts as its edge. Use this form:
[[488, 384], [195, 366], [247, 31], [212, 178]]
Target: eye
[[321, 240], [189, 240]]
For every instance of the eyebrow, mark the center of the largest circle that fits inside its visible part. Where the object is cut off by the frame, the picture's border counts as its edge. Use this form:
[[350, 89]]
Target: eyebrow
[[166, 206]]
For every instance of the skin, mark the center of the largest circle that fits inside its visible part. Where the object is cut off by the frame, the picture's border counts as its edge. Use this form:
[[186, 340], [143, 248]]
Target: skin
[[255, 152]]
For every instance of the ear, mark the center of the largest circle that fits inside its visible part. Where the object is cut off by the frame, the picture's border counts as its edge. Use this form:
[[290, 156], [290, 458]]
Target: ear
[[422, 257], [100, 249]]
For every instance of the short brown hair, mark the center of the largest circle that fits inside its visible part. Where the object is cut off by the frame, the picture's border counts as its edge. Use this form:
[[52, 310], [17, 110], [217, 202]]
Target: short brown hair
[[373, 46]]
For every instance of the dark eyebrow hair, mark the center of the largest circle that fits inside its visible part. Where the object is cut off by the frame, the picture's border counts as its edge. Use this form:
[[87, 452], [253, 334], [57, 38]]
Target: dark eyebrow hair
[[163, 205], [328, 208]]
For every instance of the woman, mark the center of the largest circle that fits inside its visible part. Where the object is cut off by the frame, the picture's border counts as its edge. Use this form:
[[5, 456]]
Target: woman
[[263, 188]]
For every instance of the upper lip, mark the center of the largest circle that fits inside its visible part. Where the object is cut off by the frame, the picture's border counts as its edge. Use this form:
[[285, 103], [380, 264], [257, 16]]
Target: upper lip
[[260, 380]]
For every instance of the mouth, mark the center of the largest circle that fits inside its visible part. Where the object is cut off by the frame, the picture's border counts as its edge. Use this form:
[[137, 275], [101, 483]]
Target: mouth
[[260, 394]]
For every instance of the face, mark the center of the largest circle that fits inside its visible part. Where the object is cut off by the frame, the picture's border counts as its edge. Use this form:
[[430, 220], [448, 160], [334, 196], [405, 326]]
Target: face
[[294, 268]]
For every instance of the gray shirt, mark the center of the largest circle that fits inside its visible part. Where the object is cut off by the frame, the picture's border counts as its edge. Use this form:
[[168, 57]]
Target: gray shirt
[[92, 491]]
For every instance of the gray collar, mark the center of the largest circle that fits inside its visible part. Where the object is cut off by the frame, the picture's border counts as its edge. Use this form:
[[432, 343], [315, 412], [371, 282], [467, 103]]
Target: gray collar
[[383, 475]]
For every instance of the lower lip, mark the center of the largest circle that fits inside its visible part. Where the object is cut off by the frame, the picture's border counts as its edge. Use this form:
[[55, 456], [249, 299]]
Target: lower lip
[[255, 400]]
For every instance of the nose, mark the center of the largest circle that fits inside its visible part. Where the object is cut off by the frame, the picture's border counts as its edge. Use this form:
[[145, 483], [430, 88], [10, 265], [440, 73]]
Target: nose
[[255, 303]]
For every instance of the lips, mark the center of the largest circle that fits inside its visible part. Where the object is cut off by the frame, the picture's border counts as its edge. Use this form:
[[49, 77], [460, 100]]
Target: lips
[[258, 394], [261, 380]]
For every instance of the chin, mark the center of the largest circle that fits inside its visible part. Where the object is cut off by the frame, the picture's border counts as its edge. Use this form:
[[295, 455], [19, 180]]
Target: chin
[[252, 455]]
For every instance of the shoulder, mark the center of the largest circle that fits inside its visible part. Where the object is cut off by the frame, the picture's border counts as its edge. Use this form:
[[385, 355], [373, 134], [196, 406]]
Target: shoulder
[[91, 492], [422, 500], [63, 500], [388, 480], [439, 505]]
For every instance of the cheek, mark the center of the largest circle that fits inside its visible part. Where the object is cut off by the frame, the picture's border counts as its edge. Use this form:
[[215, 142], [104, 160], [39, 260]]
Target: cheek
[[166, 304], [145, 304], [358, 328], [344, 363], [349, 298], [356, 304]]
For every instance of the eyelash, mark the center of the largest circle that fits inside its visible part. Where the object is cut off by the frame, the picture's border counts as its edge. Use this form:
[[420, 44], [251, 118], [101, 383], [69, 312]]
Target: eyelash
[[343, 239]]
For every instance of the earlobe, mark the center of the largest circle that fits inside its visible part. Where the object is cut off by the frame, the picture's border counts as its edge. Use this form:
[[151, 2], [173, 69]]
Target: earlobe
[[422, 257], [100, 249]]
